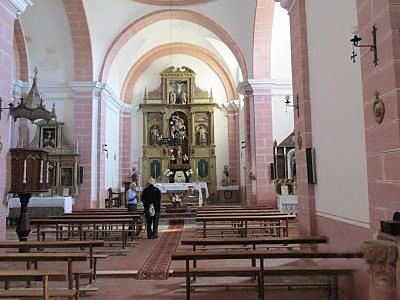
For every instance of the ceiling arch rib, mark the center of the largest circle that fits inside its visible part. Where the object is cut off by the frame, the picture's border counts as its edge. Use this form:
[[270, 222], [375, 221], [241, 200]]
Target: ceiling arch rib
[[185, 15], [172, 2], [178, 48]]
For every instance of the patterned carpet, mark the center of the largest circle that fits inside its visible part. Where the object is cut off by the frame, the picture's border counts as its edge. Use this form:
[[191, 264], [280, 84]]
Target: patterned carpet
[[156, 266]]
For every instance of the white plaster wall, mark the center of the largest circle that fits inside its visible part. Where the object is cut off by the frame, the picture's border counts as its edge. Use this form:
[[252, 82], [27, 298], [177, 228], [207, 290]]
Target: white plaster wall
[[237, 22], [337, 112], [112, 140], [281, 73], [48, 40], [282, 116], [281, 65]]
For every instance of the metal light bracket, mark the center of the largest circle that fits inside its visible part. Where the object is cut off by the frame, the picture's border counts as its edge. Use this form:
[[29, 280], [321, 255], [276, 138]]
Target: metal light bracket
[[373, 47]]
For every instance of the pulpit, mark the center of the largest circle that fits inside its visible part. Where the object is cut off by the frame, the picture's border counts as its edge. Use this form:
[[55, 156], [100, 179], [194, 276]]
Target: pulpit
[[29, 174]]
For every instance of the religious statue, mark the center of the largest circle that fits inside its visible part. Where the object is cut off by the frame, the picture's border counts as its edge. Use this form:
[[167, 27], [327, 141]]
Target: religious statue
[[154, 134], [225, 176], [179, 153], [202, 132], [177, 127], [185, 159], [134, 175]]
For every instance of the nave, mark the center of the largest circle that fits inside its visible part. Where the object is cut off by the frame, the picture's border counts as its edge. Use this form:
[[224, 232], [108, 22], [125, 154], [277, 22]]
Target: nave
[[143, 270]]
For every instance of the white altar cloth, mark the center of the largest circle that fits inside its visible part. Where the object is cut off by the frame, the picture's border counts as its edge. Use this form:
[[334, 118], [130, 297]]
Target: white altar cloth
[[64, 202], [171, 187], [288, 203]]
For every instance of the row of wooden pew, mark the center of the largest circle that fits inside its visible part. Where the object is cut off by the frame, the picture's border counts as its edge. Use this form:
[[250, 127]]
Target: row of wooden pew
[[212, 246], [81, 232]]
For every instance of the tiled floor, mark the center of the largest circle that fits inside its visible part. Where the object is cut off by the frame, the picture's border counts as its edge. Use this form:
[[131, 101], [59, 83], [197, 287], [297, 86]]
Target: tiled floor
[[130, 288]]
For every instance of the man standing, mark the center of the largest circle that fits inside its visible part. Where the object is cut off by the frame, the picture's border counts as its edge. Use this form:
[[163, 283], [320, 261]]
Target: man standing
[[151, 196], [132, 197]]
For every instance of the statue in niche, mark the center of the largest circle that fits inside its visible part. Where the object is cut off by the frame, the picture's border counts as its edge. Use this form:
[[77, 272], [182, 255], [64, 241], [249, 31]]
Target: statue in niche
[[225, 176], [154, 135], [177, 127], [202, 135]]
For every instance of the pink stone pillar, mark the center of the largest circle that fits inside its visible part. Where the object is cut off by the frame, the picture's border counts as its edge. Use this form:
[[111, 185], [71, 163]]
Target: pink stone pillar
[[263, 148], [234, 153], [124, 146], [8, 11], [382, 140], [89, 130], [302, 124]]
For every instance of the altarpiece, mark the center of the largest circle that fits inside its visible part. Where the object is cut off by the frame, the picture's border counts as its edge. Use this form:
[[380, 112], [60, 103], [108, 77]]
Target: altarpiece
[[178, 130]]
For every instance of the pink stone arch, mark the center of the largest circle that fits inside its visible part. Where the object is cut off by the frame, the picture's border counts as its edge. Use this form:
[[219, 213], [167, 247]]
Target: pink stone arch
[[172, 2], [21, 56], [83, 61], [179, 48], [185, 15]]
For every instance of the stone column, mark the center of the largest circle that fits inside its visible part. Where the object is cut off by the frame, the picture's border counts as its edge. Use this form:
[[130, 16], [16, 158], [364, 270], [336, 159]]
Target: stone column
[[8, 12], [302, 123], [124, 145], [382, 258], [192, 129], [234, 152], [211, 129], [89, 130]]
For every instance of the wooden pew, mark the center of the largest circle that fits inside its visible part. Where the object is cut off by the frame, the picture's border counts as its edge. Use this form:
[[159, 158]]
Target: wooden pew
[[124, 223], [34, 275], [41, 245], [258, 271], [35, 257], [194, 242], [244, 220]]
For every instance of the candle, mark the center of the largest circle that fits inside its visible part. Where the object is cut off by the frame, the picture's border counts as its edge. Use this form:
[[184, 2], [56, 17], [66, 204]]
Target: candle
[[24, 178], [47, 173], [41, 172]]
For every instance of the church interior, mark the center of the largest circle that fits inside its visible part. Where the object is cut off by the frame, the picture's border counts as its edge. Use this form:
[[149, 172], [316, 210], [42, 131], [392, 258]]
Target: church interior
[[256, 142]]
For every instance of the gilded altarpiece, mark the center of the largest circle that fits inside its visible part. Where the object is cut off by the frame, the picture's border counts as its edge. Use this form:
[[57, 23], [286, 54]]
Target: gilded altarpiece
[[178, 125]]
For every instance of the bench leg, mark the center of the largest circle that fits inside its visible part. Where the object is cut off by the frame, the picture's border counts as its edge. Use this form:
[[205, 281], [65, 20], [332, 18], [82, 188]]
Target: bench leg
[[261, 279], [336, 288], [77, 285], [187, 281]]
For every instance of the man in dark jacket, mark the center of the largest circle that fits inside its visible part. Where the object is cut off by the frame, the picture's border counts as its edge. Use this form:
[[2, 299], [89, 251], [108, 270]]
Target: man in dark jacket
[[151, 195]]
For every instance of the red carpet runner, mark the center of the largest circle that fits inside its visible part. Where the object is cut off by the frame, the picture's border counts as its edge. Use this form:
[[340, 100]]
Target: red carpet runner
[[156, 266]]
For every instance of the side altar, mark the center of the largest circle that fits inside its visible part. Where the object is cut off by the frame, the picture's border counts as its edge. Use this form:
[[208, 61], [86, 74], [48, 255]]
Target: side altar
[[178, 131]]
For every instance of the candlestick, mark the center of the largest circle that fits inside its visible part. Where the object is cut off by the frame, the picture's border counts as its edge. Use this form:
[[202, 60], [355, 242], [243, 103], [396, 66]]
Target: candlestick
[[24, 178], [41, 172], [47, 172]]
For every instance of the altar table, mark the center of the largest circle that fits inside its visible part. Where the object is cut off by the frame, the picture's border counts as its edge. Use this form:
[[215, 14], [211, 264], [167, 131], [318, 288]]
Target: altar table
[[41, 207], [174, 187]]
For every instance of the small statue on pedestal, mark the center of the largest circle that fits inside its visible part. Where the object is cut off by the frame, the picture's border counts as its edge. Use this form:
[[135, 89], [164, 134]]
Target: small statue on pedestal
[[225, 176]]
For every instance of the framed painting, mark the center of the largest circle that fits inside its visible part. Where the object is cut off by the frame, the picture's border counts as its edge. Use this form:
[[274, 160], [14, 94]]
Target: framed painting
[[49, 137], [66, 176]]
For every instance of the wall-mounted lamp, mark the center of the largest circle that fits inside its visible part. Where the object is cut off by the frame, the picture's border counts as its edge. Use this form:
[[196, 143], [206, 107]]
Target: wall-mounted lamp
[[296, 106], [105, 149], [373, 47]]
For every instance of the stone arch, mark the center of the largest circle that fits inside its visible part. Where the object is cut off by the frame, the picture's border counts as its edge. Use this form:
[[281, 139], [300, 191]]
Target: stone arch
[[83, 61], [185, 15], [173, 2], [262, 39], [179, 48], [21, 55]]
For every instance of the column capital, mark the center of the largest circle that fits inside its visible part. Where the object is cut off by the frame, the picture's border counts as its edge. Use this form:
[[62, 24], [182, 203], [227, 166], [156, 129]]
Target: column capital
[[382, 257], [287, 4], [20, 5]]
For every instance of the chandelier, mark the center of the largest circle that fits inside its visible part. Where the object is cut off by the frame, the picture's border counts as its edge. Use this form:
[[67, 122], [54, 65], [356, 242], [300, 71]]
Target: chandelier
[[25, 110]]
